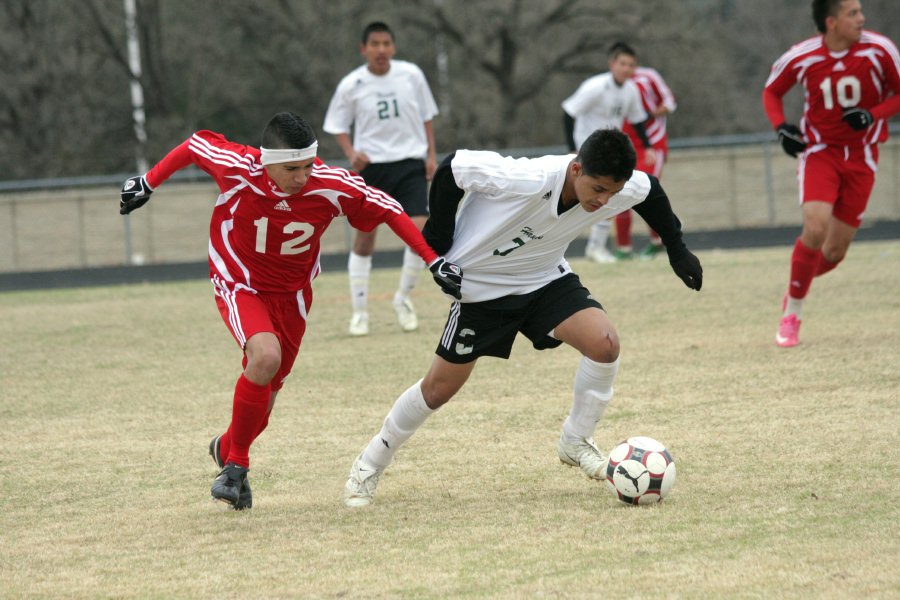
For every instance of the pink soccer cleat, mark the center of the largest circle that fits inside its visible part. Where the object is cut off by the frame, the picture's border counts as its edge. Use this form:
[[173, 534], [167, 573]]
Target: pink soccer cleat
[[788, 332]]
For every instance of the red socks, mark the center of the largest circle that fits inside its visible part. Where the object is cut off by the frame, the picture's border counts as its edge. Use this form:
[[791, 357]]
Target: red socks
[[623, 229], [249, 416], [804, 264], [225, 440]]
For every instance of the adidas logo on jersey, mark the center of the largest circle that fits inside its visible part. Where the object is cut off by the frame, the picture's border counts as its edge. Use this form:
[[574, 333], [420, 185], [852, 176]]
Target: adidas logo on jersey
[[839, 66], [283, 205]]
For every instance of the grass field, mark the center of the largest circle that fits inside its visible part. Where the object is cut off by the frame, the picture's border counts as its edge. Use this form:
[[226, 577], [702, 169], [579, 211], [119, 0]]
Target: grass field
[[788, 460]]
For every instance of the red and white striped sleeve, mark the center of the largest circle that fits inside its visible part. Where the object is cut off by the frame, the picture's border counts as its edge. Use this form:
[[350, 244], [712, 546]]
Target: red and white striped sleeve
[[178, 158], [366, 207], [890, 67], [209, 151], [666, 97], [781, 80]]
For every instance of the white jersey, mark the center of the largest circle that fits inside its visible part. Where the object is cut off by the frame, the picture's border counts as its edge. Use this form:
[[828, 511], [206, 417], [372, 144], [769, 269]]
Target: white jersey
[[387, 112], [509, 238], [601, 103]]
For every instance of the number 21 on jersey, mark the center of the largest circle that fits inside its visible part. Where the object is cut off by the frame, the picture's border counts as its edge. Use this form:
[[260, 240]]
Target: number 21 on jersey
[[289, 246], [388, 109], [847, 90]]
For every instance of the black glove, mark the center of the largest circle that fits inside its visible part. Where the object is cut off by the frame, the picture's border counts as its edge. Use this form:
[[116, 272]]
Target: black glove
[[686, 266], [858, 118], [135, 193], [448, 276], [791, 139]]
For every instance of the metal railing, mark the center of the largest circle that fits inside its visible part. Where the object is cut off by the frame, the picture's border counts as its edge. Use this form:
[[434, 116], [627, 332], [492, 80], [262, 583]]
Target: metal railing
[[715, 183]]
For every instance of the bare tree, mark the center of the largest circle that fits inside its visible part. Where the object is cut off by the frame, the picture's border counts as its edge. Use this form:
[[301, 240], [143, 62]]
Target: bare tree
[[227, 65], [518, 46]]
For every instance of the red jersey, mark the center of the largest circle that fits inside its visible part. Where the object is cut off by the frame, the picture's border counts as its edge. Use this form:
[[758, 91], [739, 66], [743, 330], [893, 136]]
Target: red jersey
[[654, 93], [866, 75], [263, 239]]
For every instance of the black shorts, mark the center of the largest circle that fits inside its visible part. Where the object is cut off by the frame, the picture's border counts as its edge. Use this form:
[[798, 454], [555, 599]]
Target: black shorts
[[489, 328], [404, 180]]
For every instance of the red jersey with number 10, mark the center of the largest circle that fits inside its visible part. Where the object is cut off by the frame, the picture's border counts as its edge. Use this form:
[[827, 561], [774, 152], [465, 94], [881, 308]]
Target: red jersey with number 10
[[261, 238], [864, 75]]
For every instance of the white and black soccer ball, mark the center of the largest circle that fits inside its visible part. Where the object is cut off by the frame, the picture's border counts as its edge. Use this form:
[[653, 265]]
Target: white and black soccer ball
[[640, 471]]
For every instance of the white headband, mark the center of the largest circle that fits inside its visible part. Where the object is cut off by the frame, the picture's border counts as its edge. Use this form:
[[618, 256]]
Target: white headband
[[271, 156]]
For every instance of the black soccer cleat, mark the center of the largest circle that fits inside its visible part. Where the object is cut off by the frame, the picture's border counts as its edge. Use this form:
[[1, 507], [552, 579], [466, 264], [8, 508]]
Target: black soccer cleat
[[215, 445], [246, 497], [231, 487]]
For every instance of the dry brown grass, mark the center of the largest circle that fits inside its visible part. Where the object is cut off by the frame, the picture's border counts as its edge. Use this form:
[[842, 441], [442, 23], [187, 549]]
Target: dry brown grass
[[787, 459]]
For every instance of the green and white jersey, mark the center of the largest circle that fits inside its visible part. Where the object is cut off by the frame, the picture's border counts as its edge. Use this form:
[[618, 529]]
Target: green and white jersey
[[387, 112], [509, 236]]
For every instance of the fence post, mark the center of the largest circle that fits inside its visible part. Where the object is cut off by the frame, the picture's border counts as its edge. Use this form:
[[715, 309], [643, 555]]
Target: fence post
[[82, 251], [770, 184], [732, 187], [14, 223]]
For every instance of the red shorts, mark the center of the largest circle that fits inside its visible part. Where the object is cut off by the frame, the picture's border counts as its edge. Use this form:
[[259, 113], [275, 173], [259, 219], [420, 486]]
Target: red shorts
[[283, 314], [656, 168], [842, 176]]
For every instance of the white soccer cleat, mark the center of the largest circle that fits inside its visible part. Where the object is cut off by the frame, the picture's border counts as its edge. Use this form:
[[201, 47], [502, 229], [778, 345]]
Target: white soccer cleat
[[360, 486], [600, 255], [359, 324], [406, 315], [585, 455]]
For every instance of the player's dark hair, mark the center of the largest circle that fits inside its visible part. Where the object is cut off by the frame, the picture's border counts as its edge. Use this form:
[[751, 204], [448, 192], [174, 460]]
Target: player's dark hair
[[822, 9], [376, 27], [607, 152], [621, 48], [287, 130]]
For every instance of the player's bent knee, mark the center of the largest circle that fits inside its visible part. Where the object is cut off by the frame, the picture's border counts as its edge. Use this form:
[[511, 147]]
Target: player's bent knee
[[814, 232], [269, 362], [263, 358], [605, 349]]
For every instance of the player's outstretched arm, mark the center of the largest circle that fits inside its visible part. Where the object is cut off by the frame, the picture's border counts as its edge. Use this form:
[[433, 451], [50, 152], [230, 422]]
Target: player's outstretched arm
[[446, 274], [656, 210], [136, 190]]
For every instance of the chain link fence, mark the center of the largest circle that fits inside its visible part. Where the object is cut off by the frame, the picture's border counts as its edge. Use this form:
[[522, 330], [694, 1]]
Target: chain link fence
[[716, 183]]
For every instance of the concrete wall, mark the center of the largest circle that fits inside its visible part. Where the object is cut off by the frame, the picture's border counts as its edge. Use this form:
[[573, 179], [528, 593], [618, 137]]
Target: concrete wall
[[711, 188]]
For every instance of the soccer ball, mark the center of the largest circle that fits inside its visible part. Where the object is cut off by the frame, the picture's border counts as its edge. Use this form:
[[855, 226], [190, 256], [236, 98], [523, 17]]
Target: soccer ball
[[640, 471]]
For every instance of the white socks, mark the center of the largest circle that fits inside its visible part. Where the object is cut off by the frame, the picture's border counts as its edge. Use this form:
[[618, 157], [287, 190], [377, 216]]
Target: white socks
[[599, 234], [405, 417], [409, 275], [794, 306], [592, 393], [359, 268]]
